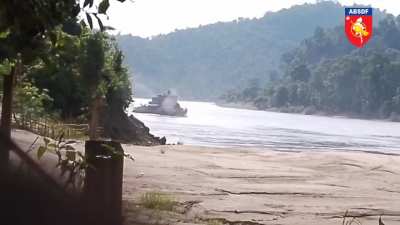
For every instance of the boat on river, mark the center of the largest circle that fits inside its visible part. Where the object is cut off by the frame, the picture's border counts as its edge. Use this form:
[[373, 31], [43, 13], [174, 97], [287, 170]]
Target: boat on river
[[165, 104]]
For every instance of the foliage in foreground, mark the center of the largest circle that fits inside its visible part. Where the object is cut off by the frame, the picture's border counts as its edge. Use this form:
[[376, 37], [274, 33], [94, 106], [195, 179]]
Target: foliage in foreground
[[70, 161]]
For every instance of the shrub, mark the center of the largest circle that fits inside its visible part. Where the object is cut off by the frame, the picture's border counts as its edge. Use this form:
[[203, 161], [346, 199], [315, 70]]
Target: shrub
[[158, 201]]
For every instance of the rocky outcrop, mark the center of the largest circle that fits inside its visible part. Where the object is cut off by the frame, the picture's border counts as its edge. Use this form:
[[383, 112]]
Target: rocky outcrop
[[127, 129]]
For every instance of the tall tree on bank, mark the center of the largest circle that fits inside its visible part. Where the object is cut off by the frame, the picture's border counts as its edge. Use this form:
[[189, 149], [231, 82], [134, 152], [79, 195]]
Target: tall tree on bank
[[25, 26], [76, 71], [92, 69]]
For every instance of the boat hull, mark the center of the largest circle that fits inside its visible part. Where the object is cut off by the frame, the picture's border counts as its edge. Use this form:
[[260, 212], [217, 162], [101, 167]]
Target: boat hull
[[179, 112]]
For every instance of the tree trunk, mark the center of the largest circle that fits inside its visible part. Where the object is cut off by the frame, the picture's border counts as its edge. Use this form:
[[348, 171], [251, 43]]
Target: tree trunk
[[94, 118], [6, 113]]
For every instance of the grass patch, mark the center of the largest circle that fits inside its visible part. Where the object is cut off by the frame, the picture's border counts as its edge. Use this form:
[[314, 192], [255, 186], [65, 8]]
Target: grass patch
[[158, 201], [214, 222]]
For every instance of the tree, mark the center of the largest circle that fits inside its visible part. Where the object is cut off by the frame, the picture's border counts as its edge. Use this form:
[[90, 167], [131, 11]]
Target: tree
[[80, 69], [29, 102], [300, 73], [326, 73], [280, 97], [92, 69], [208, 61], [58, 71], [25, 26], [253, 90]]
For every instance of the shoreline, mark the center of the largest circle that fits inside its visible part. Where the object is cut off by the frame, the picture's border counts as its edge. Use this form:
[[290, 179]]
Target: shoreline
[[249, 186], [251, 106], [300, 150], [232, 105]]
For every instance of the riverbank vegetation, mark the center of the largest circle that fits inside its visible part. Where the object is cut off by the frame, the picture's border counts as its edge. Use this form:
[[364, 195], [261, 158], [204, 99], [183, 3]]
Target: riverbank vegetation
[[74, 74], [326, 74], [59, 80]]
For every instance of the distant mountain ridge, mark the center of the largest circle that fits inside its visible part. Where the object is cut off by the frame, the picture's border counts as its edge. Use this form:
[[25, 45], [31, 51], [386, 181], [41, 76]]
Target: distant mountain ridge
[[203, 63]]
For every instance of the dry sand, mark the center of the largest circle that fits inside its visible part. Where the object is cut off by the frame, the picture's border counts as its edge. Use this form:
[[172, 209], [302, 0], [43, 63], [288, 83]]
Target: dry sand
[[262, 186]]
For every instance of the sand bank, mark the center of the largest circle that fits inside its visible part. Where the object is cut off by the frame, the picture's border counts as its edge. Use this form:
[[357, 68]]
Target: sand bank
[[261, 186]]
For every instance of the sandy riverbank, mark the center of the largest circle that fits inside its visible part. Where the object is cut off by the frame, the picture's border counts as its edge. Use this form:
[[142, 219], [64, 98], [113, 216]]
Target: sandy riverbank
[[264, 186], [270, 187]]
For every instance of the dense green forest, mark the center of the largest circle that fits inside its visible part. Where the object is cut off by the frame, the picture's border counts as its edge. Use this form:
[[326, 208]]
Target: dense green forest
[[66, 73], [58, 65], [57, 80], [204, 62], [57, 62], [325, 73]]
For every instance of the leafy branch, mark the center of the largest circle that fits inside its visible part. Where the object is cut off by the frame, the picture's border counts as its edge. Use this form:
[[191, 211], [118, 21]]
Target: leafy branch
[[71, 162], [102, 8]]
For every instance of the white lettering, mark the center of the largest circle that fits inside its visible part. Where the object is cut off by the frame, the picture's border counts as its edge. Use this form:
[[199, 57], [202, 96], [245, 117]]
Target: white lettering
[[358, 11]]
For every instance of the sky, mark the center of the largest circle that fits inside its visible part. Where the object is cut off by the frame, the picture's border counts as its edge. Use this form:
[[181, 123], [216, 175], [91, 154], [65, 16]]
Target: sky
[[148, 18]]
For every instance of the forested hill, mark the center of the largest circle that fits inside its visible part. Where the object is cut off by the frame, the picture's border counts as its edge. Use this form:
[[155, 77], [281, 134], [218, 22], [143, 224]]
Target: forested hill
[[204, 62], [326, 73]]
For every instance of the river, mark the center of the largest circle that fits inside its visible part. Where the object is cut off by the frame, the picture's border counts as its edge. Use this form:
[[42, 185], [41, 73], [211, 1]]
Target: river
[[210, 125]]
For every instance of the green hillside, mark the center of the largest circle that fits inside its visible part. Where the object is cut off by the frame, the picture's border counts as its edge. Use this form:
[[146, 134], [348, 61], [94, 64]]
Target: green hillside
[[205, 62], [327, 74]]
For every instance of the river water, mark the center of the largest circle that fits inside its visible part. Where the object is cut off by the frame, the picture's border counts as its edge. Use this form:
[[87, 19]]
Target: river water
[[210, 125]]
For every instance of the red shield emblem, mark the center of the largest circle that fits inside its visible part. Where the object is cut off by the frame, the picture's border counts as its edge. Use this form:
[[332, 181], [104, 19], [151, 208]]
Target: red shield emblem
[[358, 25]]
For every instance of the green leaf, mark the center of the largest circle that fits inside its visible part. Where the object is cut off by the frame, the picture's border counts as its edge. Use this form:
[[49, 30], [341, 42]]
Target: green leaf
[[52, 145], [89, 19], [71, 155], [46, 141], [103, 6], [41, 151], [83, 24], [99, 22], [5, 69], [4, 34], [87, 2], [53, 37], [60, 138], [81, 155], [76, 10]]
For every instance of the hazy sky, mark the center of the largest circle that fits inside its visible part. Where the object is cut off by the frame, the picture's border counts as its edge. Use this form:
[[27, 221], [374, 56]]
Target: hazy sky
[[147, 18]]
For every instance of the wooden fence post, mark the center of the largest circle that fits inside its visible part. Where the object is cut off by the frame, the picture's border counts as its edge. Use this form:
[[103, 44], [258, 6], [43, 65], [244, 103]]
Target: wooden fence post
[[103, 182]]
